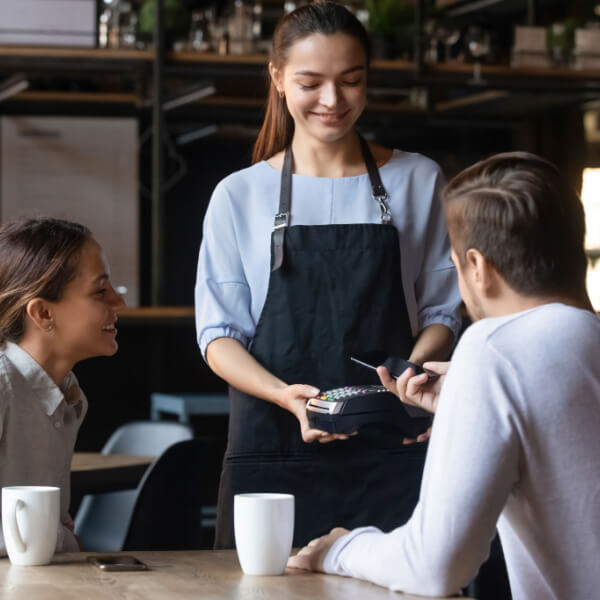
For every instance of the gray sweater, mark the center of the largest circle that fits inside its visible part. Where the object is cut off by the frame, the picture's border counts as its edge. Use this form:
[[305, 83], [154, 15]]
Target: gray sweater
[[39, 422]]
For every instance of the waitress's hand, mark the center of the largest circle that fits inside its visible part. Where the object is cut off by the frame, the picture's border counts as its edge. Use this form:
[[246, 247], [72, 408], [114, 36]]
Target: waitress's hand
[[294, 399], [422, 437], [416, 390], [312, 556]]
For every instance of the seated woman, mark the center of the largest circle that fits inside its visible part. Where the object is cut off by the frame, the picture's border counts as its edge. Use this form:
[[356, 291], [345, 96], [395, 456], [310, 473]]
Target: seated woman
[[57, 307]]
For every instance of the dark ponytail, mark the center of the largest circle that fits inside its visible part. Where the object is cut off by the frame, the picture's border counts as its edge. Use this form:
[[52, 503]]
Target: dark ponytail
[[322, 17]]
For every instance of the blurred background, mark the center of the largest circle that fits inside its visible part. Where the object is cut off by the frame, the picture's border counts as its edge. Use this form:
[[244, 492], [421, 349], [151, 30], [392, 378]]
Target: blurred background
[[124, 114]]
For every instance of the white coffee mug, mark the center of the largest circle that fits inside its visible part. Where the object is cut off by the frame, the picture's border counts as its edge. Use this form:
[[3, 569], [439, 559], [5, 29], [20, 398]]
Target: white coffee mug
[[30, 521], [264, 528]]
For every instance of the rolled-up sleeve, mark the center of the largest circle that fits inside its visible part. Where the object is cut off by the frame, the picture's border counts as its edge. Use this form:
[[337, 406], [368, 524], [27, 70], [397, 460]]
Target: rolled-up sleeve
[[436, 287], [222, 293]]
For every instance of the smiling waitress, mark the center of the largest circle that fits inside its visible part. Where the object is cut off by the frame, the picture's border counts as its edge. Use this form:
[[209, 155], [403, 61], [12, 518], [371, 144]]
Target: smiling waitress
[[324, 247]]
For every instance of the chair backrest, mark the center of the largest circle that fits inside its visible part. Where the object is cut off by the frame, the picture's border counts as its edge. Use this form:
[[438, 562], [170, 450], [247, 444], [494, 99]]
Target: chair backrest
[[146, 438], [168, 510], [102, 519]]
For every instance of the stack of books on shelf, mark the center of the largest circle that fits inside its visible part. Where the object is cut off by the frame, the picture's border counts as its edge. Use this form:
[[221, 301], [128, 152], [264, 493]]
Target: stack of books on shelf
[[587, 49], [529, 48]]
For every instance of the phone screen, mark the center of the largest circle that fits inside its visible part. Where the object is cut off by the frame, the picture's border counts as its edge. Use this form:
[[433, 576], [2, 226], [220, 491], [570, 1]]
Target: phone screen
[[118, 563]]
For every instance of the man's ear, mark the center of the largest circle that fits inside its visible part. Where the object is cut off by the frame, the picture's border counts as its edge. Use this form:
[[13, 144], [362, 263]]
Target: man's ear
[[276, 78], [482, 272], [40, 314]]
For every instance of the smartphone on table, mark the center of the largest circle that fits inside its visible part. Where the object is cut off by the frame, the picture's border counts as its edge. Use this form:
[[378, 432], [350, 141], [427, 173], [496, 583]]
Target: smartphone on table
[[118, 562]]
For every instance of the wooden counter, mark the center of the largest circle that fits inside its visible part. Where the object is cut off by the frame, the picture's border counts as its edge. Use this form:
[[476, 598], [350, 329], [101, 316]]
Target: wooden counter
[[206, 574]]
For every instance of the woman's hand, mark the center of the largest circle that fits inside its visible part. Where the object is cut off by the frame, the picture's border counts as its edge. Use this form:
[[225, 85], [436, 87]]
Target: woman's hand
[[294, 398], [231, 361], [416, 390]]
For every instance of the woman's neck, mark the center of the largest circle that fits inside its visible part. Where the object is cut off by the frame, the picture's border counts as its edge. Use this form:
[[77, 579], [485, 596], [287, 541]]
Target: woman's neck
[[56, 367], [341, 158]]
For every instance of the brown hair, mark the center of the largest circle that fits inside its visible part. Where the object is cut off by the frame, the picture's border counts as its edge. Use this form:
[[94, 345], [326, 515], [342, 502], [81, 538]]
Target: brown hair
[[322, 17], [516, 209], [38, 257]]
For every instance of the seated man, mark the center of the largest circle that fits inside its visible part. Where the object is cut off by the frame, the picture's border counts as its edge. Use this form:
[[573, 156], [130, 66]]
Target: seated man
[[515, 441]]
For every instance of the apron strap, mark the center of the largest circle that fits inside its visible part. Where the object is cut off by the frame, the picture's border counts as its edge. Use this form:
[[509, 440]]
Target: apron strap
[[282, 218], [379, 194]]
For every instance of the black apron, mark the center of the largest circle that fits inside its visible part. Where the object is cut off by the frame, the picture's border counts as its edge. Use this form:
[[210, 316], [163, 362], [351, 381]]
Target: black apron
[[334, 290]]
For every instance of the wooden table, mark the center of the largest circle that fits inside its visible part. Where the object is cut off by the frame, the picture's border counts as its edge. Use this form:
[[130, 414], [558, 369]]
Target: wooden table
[[94, 473], [206, 574]]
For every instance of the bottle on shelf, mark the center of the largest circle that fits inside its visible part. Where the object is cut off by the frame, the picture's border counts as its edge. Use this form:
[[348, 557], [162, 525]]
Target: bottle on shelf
[[127, 25], [257, 14], [199, 38], [223, 46], [239, 27], [117, 24], [560, 42], [104, 21]]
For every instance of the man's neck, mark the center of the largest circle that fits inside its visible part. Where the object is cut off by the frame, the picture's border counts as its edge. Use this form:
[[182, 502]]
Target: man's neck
[[511, 302]]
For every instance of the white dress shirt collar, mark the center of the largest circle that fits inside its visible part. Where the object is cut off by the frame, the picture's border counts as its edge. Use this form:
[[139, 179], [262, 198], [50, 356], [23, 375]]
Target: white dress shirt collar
[[45, 390]]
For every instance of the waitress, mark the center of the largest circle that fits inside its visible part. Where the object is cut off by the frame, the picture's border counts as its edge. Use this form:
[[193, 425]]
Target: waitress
[[325, 247]]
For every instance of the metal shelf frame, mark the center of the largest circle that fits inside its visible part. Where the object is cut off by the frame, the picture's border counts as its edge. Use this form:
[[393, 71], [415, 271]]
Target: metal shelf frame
[[157, 269], [154, 68]]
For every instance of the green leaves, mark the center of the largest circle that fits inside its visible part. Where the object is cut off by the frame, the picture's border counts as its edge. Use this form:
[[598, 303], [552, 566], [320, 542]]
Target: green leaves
[[176, 17], [388, 17]]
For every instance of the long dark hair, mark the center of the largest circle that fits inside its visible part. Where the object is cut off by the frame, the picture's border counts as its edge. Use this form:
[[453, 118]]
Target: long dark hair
[[38, 257], [322, 17]]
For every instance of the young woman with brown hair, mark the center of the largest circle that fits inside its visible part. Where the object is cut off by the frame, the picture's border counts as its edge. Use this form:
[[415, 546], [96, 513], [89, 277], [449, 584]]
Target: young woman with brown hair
[[57, 307], [326, 246]]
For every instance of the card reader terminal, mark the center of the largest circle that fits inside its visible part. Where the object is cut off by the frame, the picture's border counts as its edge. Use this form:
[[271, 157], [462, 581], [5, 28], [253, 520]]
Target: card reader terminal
[[347, 409]]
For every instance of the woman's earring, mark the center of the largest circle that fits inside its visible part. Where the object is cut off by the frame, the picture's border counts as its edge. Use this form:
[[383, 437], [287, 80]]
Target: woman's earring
[[50, 328], [281, 94]]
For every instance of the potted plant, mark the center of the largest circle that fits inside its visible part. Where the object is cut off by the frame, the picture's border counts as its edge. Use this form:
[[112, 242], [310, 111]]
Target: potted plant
[[391, 26], [560, 39], [176, 21]]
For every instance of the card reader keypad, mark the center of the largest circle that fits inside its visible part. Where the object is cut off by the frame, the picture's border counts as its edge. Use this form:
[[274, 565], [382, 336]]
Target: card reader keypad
[[350, 391]]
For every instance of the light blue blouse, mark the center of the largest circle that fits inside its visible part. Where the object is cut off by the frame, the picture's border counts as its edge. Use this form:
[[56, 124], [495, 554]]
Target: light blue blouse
[[234, 260]]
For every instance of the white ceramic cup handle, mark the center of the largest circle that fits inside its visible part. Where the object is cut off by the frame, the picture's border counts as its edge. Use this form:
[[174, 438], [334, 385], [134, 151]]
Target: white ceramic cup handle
[[13, 526]]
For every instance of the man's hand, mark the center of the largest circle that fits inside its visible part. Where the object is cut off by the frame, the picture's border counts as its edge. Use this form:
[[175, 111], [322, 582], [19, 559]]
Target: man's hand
[[294, 399], [312, 556], [416, 390]]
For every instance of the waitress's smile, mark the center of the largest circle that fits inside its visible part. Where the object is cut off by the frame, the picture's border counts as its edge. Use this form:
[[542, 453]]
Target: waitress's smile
[[334, 118]]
